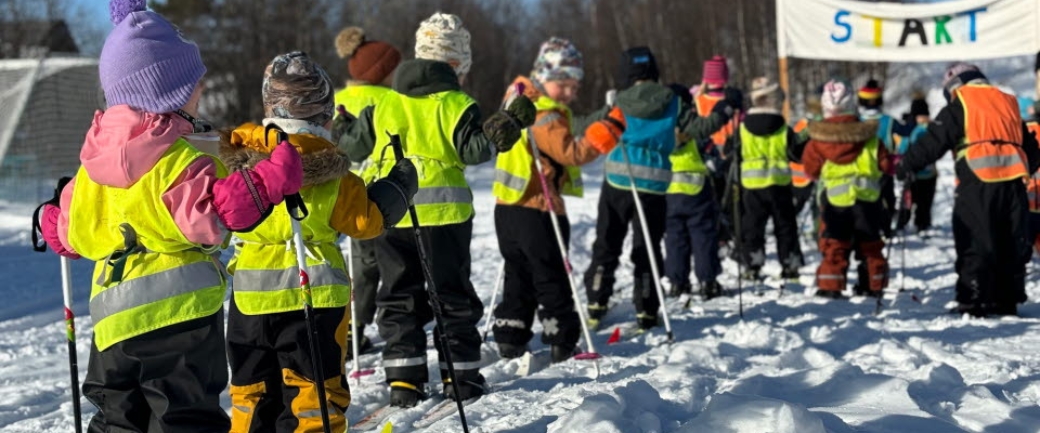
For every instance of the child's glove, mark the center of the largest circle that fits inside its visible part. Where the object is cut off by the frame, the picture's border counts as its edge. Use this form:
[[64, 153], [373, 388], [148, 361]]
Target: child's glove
[[603, 134], [504, 127], [45, 224], [393, 193], [246, 197]]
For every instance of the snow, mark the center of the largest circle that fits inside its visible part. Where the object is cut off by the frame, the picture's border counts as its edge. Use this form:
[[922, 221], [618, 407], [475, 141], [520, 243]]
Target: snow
[[794, 363]]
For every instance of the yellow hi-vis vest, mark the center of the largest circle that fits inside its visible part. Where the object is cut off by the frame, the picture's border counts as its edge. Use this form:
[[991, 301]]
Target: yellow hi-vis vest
[[267, 278], [355, 98], [688, 170], [513, 169], [763, 159], [161, 278], [426, 125], [859, 180]]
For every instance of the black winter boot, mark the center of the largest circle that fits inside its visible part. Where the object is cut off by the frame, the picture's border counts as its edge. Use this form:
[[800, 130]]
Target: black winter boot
[[404, 394], [680, 289], [710, 290], [562, 353], [468, 389], [510, 351]]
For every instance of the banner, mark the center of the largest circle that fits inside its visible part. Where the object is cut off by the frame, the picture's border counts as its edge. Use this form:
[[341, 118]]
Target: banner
[[895, 32]]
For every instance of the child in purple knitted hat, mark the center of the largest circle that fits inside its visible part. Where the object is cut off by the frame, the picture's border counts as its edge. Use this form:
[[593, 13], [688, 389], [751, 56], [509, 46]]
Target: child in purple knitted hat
[[151, 210]]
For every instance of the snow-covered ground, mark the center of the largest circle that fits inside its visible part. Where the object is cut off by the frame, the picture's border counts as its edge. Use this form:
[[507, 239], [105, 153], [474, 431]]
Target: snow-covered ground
[[794, 363]]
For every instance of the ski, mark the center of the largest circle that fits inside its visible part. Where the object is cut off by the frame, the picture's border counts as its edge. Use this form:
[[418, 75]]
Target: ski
[[442, 410], [374, 420]]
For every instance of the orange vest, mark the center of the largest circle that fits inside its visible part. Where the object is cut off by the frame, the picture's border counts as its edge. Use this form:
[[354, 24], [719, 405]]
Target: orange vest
[[798, 177], [705, 103], [992, 134], [1033, 183]]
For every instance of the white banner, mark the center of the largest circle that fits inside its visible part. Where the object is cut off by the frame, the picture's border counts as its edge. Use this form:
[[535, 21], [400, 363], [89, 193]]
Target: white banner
[[894, 32]]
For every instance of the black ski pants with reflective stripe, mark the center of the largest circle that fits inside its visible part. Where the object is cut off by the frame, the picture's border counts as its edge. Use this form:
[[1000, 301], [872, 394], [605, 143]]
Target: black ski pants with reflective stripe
[[405, 305], [535, 279], [617, 212], [167, 380]]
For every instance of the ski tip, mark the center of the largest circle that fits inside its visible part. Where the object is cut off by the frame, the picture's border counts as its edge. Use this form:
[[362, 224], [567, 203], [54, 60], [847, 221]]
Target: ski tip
[[388, 428], [362, 373], [615, 336], [587, 356]]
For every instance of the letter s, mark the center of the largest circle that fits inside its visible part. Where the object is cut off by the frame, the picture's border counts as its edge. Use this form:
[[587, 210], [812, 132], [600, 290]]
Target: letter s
[[838, 20]]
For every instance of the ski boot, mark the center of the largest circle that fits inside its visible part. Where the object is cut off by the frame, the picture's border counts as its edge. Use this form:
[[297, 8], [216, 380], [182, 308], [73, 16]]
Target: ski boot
[[468, 388], [829, 294], [562, 353], [859, 290], [405, 394], [596, 313], [646, 321], [510, 351], [710, 290], [680, 289]]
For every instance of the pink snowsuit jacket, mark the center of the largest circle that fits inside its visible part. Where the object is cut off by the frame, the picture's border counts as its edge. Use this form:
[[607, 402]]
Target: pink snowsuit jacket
[[123, 145]]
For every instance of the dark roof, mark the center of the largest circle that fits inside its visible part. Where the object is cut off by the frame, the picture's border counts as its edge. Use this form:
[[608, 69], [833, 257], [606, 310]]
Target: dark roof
[[30, 38]]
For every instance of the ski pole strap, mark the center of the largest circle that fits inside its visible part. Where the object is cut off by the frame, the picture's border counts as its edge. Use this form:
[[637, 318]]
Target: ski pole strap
[[37, 230], [297, 209]]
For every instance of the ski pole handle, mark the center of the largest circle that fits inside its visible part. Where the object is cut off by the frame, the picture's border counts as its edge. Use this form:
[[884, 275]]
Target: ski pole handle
[[395, 144]]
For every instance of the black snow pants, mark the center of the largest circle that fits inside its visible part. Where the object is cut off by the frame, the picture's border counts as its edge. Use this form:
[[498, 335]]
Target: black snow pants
[[692, 227], [272, 375], [922, 192], [167, 380], [991, 233], [759, 205], [365, 280], [617, 212], [535, 279], [406, 307]]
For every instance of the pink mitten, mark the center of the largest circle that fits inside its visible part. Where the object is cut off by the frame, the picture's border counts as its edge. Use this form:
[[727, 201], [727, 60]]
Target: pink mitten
[[49, 227], [245, 198], [895, 162]]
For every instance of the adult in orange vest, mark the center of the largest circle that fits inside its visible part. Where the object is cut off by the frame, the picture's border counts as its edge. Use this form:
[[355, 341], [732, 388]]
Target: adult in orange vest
[[802, 186], [995, 153]]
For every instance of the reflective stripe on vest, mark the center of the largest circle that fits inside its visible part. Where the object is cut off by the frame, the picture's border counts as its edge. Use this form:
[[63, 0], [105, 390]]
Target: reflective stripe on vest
[[354, 98], [763, 159], [646, 144], [426, 125], [513, 169], [264, 266], [170, 280], [993, 134], [859, 180], [688, 170], [705, 104]]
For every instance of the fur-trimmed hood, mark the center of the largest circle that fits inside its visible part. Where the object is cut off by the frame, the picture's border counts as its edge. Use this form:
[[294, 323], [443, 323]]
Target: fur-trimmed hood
[[843, 130], [244, 147]]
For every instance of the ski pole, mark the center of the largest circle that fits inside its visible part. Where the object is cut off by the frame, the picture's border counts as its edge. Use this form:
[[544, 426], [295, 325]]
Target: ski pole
[[70, 332], [903, 205], [591, 353], [740, 248], [355, 339], [491, 306], [297, 212], [431, 290], [66, 288], [650, 246]]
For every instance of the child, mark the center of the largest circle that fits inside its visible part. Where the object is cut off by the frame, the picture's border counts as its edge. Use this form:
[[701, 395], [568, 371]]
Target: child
[[535, 277], [371, 66], [766, 145], [151, 210], [691, 226], [440, 129], [922, 189], [652, 113], [845, 155], [712, 91], [272, 375]]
